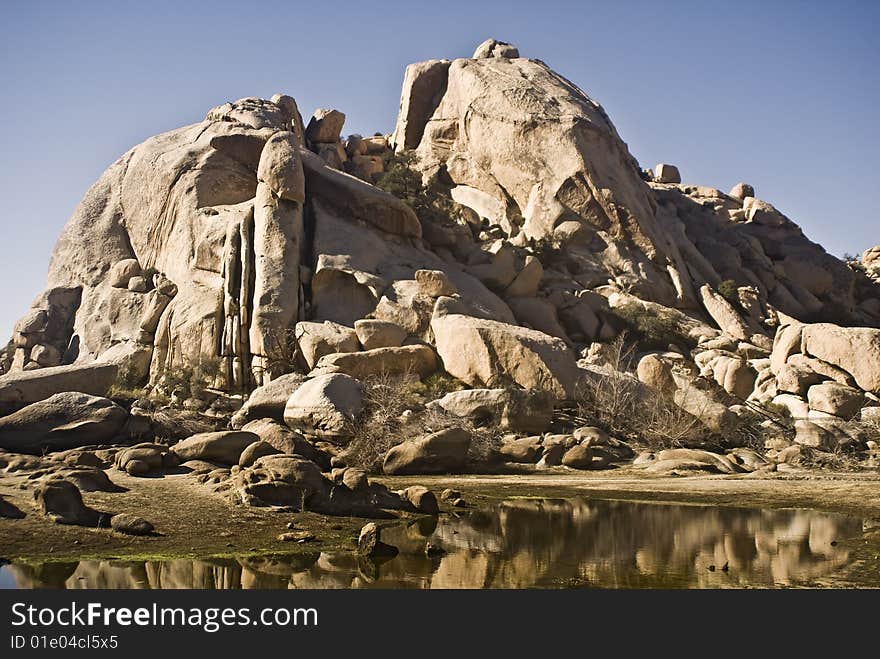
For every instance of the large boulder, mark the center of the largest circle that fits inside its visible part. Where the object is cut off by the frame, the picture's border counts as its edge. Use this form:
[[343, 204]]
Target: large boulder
[[61, 422], [527, 450], [836, 399], [280, 480], [224, 447], [854, 349], [373, 333], [268, 401], [318, 339], [325, 406], [62, 502], [487, 353], [285, 440], [724, 315], [23, 388], [518, 410], [442, 452], [417, 360]]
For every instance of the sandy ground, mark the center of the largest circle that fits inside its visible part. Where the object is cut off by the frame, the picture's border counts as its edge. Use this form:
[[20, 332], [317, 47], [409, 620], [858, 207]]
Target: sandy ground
[[193, 521]]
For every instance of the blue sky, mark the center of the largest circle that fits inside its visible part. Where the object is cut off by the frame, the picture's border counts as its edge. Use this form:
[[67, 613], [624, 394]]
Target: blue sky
[[783, 95]]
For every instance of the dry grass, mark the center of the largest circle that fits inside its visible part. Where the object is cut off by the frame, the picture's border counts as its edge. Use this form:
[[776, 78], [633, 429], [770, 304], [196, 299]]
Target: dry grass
[[395, 411], [618, 403]]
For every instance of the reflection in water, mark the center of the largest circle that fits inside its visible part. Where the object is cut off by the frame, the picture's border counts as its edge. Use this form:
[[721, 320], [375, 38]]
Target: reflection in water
[[547, 543]]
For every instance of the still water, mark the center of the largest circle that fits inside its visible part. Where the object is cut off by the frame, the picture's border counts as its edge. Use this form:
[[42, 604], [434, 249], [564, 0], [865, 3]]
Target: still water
[[527, 543]]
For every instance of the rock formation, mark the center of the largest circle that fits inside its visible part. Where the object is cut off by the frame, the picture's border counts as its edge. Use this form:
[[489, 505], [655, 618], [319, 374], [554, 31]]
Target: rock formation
[[270, 246]]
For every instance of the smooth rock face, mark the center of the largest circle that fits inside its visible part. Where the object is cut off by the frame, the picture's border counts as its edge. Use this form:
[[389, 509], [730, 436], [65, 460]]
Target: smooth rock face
[[442, 452], [280, 480], [741, 191], [723, 313], [325, 126], [578, 457], [254, 452], [422, 499], [374, 334], [494, 111], [224, 447], [318, 339], [854, 349], [423, 86], [281, 168], [808, 433], [60, 422], [486, 353], [434, 283], [664, 173], [20, 389], [122, 271], [836, 399], [494, 48], [527, 450], [285, 440], [417, 360], [325, 406]]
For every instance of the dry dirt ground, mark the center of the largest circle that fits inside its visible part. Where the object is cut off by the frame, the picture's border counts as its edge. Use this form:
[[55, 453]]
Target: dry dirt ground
[[193, 521]]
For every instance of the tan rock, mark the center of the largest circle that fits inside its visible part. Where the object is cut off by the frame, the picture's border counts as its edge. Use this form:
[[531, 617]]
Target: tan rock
[[20, 389], [325, 126], [224, 447], [280, 167], [434, 283], [318, 339], [786, 343], [856, 350], [537, 313], [665, 173], [417, 360], [494, 48], [423, 86], [741, 191], [527, 280], [374, 334], [122, 272], [442, 452], [488, 353], [516, 410], [354, 199], [724, 315], [836, 399], [325, 406]]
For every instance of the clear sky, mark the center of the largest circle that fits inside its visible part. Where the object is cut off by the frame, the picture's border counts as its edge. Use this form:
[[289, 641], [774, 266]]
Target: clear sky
[[783, 95]]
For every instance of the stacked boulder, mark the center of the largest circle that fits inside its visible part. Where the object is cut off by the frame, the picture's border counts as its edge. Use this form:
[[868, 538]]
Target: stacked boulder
[[823, 375]]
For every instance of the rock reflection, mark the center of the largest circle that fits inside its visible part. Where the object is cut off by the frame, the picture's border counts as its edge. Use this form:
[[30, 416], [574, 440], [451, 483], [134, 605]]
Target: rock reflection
[[524, 544]]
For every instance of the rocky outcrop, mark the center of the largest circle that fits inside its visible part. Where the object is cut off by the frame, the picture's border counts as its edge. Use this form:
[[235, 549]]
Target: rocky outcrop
[[62, 421]]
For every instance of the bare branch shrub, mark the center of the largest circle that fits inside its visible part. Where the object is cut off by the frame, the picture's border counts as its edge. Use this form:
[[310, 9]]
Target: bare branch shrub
[[617, 402], [395, 411]]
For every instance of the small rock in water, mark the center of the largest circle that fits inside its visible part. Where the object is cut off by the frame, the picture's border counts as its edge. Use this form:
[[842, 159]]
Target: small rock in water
[[369, 542]]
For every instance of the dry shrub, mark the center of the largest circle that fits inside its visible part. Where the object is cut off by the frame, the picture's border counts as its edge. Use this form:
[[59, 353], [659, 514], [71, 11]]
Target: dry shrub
[[617, 402], [383, 424]]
